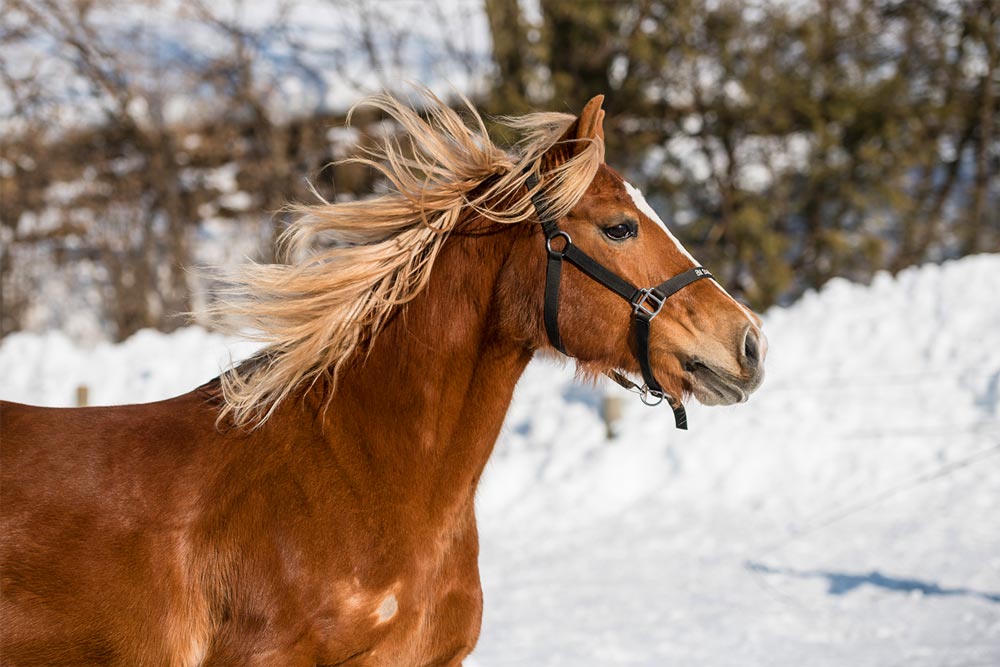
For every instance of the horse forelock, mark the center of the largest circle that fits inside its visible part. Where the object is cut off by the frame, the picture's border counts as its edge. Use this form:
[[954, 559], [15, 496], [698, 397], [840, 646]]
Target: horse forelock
[[346, 266]]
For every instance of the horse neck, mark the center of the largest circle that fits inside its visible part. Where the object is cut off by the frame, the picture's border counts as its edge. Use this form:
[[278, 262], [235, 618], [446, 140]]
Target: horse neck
[[425, 405]]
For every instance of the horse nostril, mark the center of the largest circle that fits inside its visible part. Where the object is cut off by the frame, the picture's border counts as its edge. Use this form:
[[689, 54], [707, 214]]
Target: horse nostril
[[751, 347]]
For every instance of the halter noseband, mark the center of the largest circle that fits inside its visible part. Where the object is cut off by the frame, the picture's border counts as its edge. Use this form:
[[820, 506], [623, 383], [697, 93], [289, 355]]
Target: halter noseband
[[646, 302]]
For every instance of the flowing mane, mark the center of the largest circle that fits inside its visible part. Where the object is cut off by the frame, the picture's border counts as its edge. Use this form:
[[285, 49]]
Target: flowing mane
[[346, 266]]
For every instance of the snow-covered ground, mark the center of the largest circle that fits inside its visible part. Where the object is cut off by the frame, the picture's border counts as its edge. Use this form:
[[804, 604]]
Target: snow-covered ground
[[849, 514]]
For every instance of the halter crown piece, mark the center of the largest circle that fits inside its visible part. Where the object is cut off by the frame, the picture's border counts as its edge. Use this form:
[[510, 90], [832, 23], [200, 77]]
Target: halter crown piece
[[646, 302]]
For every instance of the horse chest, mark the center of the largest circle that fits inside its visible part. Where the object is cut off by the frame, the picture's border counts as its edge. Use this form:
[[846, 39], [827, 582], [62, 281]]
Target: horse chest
[[429, 614]]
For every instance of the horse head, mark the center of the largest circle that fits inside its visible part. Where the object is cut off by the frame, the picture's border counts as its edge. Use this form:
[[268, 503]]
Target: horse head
[[697, 340]]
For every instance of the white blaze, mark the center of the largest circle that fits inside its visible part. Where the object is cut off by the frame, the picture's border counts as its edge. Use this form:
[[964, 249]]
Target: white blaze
[[643, 205]]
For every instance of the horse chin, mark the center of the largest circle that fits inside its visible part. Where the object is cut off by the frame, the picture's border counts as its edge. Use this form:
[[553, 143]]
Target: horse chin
[[712, 387]]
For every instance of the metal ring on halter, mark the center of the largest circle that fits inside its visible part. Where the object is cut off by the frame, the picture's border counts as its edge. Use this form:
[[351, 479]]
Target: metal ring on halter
[[646, 392], [558, 253]]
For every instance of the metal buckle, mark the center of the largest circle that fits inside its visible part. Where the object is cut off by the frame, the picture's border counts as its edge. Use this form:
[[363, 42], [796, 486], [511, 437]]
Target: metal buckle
[[558, 253], [648, 304]]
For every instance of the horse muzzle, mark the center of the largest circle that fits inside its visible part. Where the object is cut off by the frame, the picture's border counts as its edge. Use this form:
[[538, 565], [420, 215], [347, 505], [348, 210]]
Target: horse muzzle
[[715, 384]]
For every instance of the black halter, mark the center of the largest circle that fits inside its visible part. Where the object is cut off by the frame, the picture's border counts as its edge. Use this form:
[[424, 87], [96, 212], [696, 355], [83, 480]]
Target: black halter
[[646, 302]]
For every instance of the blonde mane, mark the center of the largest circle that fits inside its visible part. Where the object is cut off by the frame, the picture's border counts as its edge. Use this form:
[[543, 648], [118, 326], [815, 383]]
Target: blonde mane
[[348, 265]]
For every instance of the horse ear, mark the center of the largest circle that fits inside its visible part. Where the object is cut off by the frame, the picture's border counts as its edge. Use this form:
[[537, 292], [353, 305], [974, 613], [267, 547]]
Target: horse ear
[[588, 126]]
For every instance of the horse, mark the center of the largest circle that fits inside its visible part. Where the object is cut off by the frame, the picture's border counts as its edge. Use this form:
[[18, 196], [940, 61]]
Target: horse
[[314, 504]]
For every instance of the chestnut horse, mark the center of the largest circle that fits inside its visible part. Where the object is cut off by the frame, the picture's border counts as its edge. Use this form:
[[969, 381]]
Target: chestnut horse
[[314, 505]]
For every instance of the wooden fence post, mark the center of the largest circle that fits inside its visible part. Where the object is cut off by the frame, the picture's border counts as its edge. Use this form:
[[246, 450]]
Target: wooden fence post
[[611, 411]]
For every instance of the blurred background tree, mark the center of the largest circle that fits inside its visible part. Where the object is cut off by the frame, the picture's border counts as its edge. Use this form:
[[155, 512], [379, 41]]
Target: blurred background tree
[[786, 143]]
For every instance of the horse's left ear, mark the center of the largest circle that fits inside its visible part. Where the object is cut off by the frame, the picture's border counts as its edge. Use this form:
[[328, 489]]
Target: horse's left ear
[[589, 126]]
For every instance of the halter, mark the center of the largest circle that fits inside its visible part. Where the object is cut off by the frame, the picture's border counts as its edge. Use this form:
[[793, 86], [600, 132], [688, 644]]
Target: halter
[[646, 302]]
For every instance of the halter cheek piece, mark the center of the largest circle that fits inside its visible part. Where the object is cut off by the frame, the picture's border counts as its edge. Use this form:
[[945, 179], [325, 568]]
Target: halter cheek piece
[[646, 302]]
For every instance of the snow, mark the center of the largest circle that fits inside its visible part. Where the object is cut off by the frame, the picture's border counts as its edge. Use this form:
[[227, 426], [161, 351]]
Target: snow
[[46, 369], [846, 515]]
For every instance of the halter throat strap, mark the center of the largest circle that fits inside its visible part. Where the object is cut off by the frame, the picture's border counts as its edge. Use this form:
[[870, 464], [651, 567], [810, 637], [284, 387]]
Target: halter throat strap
[[646, 303]]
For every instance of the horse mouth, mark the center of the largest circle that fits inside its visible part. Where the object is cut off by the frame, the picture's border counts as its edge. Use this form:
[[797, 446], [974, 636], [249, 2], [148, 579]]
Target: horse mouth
[[714, 387]]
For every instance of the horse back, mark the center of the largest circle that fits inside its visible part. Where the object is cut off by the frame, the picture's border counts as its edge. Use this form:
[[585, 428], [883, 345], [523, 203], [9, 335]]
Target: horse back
[[130, 460]]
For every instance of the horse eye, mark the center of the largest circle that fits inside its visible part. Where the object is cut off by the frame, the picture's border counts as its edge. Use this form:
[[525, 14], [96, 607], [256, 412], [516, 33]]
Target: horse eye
[[619, 232]]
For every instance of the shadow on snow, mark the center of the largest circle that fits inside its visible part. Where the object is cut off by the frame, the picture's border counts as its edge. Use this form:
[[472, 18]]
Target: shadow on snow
[[840, 583]]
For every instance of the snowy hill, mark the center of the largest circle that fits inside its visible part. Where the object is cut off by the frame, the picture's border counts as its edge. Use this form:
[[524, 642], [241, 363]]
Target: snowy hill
[[847, 515]]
